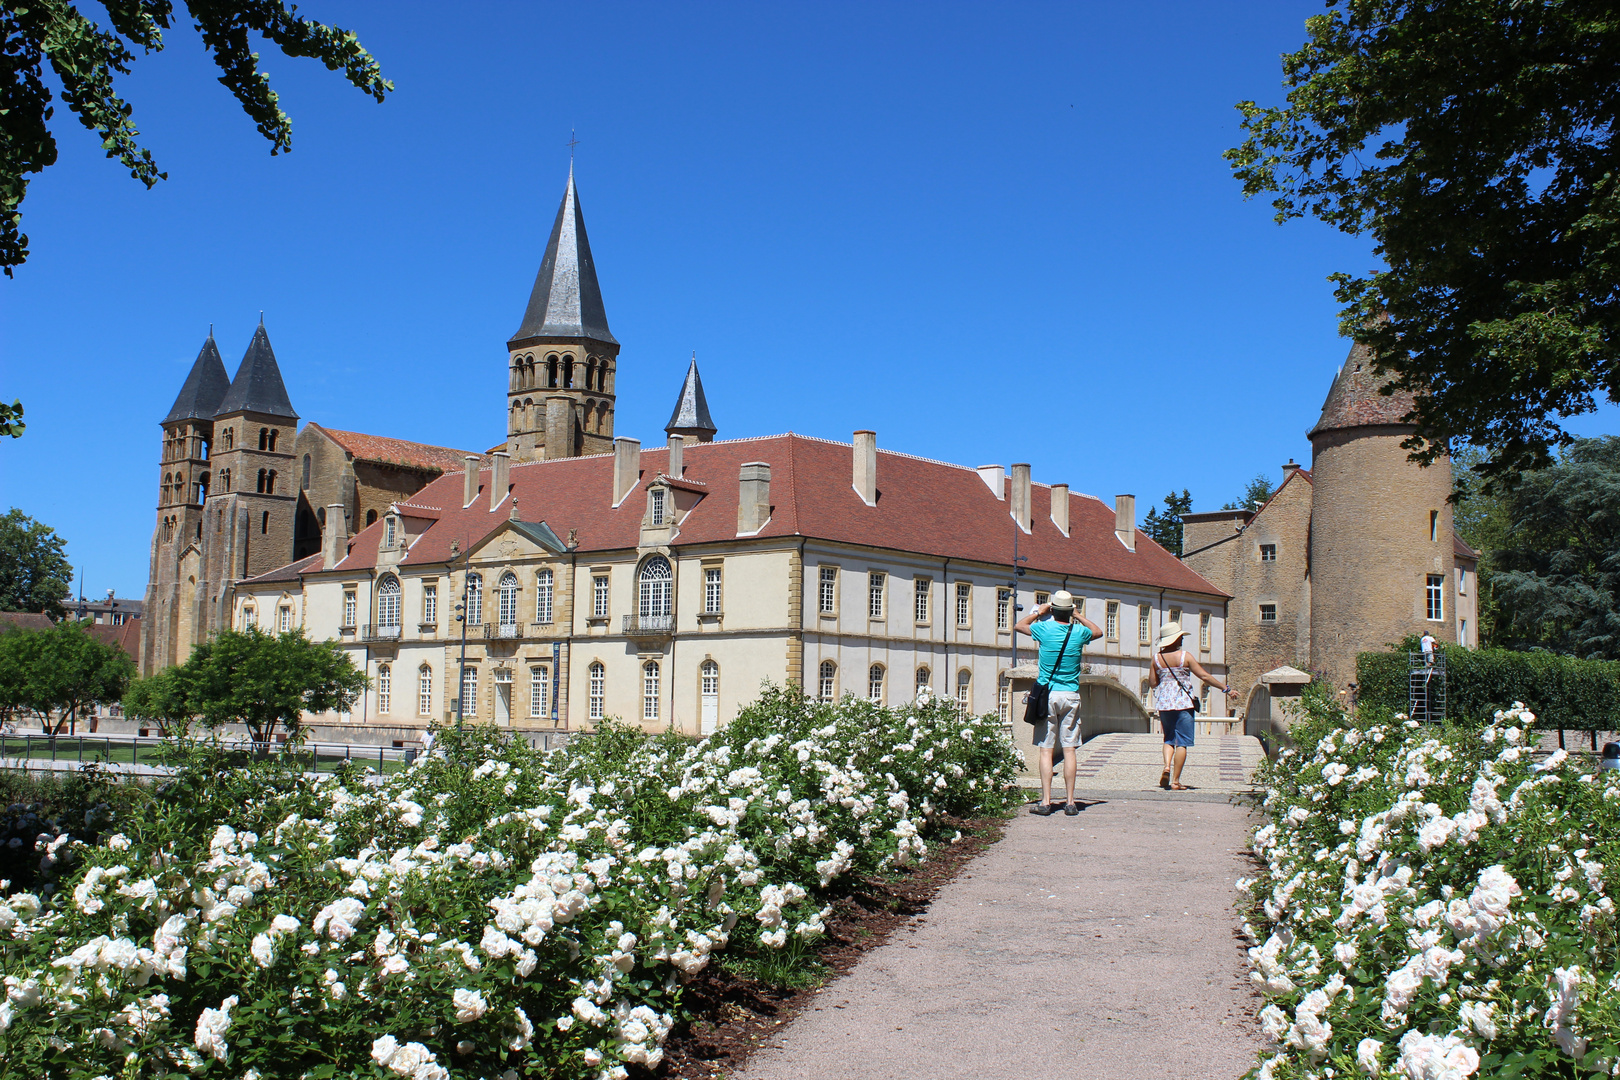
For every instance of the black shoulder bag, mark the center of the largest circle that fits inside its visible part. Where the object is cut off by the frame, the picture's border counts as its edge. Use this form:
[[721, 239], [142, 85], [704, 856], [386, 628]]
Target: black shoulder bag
[[1035, 702]]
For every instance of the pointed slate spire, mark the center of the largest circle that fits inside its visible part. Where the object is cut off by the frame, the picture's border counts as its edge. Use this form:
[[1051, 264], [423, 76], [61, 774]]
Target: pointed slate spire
[[258, 387], [204, 388], [691, 415], [567, 301]]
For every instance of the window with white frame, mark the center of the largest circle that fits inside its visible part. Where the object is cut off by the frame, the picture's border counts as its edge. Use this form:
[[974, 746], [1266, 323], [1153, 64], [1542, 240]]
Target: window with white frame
[[828, 598], [1144, 623], [964, 691], [250, 617], [711, 590], [1111, 622], [388, 603], [1004, 702], [828, 689], [874, 683], [424, 691], [1175, 615], [469, 691], [539, 693], [921, 588], [385, 689], [1042, 598], [1003, 608], [964, 604], [1268, 552], [599, 596], [598, 689], [656, 587], [389, 528], [1268, 613], [874, 594], [475, 599], [430, 603], [656, 498], [649, 690], [507, 599], [283, 619], [1203, 631], [349, 607], [709, 678], [1435, 598], [924, 680], [543, 583]]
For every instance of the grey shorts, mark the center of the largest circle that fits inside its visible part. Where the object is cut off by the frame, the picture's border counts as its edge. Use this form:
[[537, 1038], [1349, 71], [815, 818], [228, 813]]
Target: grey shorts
[[1062, 720]]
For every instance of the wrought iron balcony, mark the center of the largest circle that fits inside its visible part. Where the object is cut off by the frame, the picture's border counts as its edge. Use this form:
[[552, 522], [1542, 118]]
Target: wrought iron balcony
[[503, 630], [649, 624], [379, 633]]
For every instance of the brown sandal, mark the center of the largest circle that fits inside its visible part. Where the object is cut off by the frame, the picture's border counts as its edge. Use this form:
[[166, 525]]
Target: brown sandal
[[1179, 787], [1164, 780]]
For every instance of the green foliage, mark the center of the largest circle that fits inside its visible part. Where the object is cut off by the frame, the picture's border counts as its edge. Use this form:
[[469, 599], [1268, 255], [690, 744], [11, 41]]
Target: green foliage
[[1473, 141], [84, 803], [1481, 518], [86, 58], [1165, 529], [1562, 691], [1255, 494], [264, 681], [34, 572], [11, 419], [163, 700], [64, 670]]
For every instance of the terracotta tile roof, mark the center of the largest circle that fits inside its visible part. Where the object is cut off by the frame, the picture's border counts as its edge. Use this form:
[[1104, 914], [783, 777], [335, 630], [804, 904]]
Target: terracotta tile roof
[[386, 451], [1354, 401], [924, 507], [24, 620], [291, 572], [126, 636], [1461, 550]]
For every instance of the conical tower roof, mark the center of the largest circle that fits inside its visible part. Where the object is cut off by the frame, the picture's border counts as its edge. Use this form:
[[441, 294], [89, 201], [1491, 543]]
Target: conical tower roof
[[204, 388], [258, 387], [1354, 399], [691, 415], [567, 301]]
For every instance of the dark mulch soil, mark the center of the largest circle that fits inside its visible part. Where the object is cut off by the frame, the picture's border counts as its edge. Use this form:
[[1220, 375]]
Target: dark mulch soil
[[737, 1015]]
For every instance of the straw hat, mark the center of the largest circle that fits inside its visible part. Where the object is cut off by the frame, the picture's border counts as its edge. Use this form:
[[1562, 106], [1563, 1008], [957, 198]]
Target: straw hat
[[1171, 633], [1062, 600]]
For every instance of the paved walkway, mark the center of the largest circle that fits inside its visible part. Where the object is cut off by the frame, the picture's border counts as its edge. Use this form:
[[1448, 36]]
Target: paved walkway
[[1217, 767], [1097, 947]]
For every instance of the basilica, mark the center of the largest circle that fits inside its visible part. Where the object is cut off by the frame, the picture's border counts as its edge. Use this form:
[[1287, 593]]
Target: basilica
[[571, 574]]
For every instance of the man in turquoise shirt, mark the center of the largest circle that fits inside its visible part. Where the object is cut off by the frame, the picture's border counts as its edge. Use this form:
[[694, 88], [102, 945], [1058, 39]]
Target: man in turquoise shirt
[[1061, 639]]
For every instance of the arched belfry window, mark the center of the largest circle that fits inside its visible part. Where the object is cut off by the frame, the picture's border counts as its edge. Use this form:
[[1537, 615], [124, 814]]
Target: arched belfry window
[[260, 488], [270, 482], [388, 603], [509, 599], [264, 438], [306, 472], [656, 590], [551, 372], [273, 434]]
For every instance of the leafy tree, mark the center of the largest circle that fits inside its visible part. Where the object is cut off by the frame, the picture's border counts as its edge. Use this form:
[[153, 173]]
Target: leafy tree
[[1255, 495], [65, 670], [1473, 141], [1165, 528], [86, 58], [265, 681], [1557, 582], [163, 700], [17, 651], [34, 573], [11, 419], [1481, 517]]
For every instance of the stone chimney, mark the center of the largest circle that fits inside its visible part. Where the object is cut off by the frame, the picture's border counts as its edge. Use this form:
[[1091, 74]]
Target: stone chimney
[[1289, 470], [469, 481], [753, 497], [626, 467], [866, 466], [335, 540], [1020, 495], [1060, 507], [677, 444], [1125, 520], [992, 475], [498, 477]]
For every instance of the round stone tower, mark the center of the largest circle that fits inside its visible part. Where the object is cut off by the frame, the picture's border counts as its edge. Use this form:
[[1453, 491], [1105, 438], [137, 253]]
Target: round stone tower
[[1382, 552]]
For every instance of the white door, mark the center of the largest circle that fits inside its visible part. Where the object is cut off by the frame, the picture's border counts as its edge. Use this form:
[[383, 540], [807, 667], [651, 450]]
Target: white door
[[711, 697], [503, 700]]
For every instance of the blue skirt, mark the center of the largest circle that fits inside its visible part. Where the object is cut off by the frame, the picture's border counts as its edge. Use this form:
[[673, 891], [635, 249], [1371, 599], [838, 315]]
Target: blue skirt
[[1177, 725]]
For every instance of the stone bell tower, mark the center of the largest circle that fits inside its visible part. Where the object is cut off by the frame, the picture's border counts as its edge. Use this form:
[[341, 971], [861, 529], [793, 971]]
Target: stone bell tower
[[563, 360]]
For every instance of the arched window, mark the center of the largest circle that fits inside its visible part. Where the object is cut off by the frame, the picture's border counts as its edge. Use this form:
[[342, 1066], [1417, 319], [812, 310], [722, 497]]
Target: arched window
[[874, 683], [656, 579], [568, 371], [827, 690], [371, 517], [590, 373], [230, 438], [551, 372], [250, 617], [388, 603], [273, 434], [709, 674], [306, 472], [424, 691], [649, 690], [264, 438], [924, 678], [385, 689], [964, 691], [260, 488], [225, 480], [475, 599], [168, 484], [508, 600], [598, 689], [320, 515], [270, 482], [542, 597], [200, 490]]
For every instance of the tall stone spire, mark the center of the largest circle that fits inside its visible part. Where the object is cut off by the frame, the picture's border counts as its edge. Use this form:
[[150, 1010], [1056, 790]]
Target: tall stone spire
[[566, 301], [204, 388], [691, 415], [257, 387]]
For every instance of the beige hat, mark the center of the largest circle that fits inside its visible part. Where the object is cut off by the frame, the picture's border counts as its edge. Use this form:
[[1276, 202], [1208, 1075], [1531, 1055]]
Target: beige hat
[[1062, 600], [1171, 632]]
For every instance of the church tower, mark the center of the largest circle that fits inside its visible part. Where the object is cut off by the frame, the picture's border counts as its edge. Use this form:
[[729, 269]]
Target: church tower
[[563, 360], [173, 610], [691, 416]]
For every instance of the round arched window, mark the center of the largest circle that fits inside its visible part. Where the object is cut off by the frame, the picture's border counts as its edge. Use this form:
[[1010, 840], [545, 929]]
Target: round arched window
[[656, 591]]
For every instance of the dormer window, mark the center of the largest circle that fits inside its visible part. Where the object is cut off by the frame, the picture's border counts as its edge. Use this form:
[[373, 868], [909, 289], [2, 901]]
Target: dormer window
[[656, 496], [389, 531]]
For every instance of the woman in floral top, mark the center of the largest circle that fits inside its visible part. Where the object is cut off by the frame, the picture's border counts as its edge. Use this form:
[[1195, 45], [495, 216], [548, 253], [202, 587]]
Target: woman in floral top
[[1172, 675]]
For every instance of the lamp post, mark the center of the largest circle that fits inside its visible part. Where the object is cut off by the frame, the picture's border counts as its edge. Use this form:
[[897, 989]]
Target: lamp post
[[461, 671]]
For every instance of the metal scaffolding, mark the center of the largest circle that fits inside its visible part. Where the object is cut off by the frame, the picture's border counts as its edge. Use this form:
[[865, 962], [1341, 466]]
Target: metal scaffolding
[[1426, 686]]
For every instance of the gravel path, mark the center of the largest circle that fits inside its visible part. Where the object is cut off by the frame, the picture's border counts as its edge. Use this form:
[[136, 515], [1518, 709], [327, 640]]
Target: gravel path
[[1099, 947]]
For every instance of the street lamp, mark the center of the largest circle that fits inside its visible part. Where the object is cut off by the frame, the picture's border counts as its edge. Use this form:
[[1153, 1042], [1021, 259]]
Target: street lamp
[[461, 672]]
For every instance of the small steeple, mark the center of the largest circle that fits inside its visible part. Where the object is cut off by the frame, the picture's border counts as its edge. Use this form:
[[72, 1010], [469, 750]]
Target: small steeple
[[257, 387], [691, 415], [566, 301], [204, 388]]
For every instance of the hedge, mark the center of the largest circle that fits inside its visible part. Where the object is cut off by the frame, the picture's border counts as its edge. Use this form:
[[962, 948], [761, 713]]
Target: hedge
[[1563, 692]]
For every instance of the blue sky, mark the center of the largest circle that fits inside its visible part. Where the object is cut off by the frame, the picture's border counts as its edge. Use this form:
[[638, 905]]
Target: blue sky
[[991, 232]]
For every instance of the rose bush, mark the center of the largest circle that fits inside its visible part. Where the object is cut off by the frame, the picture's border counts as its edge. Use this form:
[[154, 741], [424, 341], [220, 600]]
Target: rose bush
[[491, 911], [1435, 903]]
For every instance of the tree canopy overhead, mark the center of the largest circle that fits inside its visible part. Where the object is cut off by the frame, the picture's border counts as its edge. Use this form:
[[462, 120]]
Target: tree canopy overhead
[[1474, 142], [86, 58]]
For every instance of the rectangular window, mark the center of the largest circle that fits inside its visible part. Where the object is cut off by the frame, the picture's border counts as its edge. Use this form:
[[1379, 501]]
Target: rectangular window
[[424, 691], [711, 590], [1111, 624], [1268, 613], [874, 594], [385, 689], [1435, 598], [1462, 632], [1268, 552], [829, 680], [598, 690], [469, 691], [874, 684], [1462, 581], [1144, 624], [1042, 598], [1434, 525], [1203, 631], [828, 599], [964, 604], [649, 690], [388, 532], [430, 604], [964, 691], [349, 607], [539, 693], [599, 596], [542, 597], [1175, 615], [657, 497], [474, 586], [1003, 607], [921, 588], [250, 617], [283, 619], [1004, 702]]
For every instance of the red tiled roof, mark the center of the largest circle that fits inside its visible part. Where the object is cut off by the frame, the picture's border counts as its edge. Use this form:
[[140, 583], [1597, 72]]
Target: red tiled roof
[[291, 572], [924, 507], [1461, 550], [126, 636], [386, 451], [24, 620], [1354, 399]]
